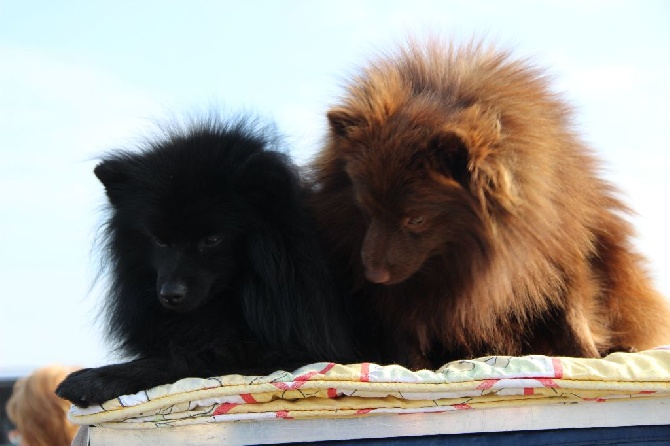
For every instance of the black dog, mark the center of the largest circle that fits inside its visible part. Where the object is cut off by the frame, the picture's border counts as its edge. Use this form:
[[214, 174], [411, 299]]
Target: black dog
[[214, 265]]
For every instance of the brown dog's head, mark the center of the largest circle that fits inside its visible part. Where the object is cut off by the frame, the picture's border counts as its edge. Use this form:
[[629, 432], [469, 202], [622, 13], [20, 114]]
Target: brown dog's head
[[420, 175]]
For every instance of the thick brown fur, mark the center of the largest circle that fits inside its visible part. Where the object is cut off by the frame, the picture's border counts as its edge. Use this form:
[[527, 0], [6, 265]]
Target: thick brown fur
[[470, 219]]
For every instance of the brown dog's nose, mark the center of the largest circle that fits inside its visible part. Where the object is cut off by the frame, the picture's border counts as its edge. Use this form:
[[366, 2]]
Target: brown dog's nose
[[377, 275]]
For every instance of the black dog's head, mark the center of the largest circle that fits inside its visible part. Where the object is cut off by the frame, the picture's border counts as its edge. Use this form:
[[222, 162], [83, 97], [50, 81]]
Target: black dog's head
[[186, 231], [207, 227], [182, 209]]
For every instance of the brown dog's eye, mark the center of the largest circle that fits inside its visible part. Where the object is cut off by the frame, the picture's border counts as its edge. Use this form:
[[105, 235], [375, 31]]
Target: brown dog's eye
[[414, 222]]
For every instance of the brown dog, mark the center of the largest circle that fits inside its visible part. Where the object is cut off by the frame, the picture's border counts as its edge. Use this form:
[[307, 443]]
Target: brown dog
[[453, 182]]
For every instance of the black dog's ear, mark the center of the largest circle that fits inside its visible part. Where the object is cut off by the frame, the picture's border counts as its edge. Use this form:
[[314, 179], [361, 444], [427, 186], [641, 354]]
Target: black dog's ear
[[268, 179], [113, 174]]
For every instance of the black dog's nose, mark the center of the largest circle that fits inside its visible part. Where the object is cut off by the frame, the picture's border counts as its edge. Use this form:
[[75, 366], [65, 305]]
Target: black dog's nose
[[172, 293]]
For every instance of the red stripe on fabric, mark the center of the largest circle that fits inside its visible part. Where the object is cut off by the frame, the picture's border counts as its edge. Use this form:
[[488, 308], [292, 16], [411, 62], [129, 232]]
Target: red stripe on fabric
[[461, 406], [646, 392], [365, 372], [289, 386], [363, 411], [487, 384], [528, 391], [224, 408], [248, 398], [281, 386], [306, 376], [558, 368], [300, 379], [283, 414], [327, 368], [332, 392], [547, 382]]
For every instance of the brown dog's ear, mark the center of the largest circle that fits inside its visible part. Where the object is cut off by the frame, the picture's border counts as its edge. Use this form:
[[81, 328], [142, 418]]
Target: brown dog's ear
[[492, 169], [480, 128], [343, 121], [450, 156], [493, 183], [474, 156]]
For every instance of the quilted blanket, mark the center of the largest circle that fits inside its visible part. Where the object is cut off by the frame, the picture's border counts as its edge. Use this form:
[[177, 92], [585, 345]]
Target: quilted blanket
[[338, 390]]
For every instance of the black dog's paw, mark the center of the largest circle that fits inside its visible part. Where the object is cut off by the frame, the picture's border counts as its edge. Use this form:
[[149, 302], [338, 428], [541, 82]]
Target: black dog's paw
[[76, 387], [89, 386]]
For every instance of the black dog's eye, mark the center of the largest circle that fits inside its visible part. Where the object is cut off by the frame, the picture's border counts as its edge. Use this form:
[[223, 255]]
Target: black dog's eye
[[159, 242], [210, 241]]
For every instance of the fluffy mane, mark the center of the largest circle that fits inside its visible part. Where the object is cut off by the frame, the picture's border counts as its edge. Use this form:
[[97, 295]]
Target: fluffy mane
[[527, 237]]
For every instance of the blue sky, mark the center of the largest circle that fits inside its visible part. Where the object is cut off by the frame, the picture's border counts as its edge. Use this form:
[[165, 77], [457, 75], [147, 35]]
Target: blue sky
[[79, 78]]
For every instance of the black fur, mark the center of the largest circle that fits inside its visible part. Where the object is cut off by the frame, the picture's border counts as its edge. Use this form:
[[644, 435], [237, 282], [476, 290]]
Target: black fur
[[213, 262]]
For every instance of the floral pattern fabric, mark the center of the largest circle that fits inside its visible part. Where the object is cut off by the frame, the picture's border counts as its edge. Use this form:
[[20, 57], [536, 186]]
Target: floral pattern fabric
[[338, 390]]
